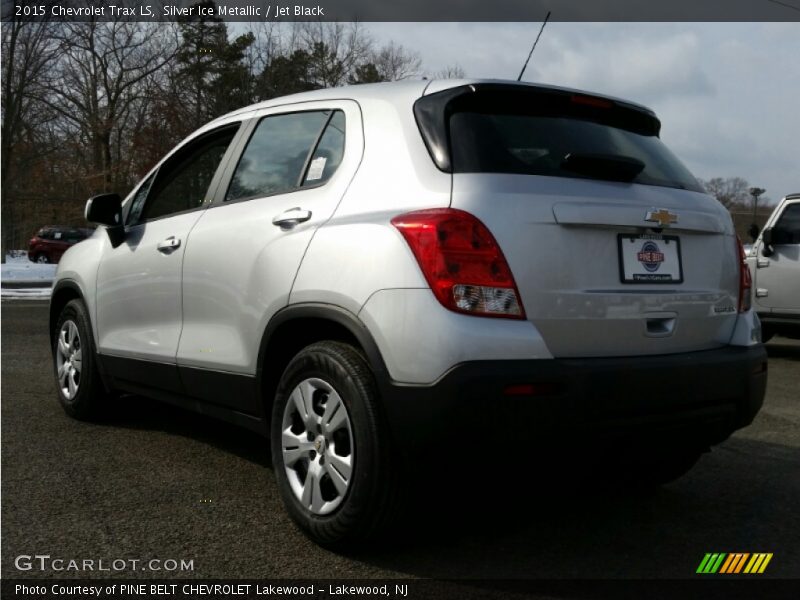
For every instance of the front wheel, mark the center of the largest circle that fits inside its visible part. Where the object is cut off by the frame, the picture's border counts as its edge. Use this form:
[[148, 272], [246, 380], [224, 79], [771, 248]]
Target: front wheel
[[330, 450], [42, 259], [80, 390]]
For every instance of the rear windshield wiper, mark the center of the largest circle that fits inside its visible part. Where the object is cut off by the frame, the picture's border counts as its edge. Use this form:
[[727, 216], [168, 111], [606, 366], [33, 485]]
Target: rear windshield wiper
[[613, 167]]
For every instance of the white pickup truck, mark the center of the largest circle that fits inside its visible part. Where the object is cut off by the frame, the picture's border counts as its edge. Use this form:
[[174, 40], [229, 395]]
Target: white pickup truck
[[775, 266]]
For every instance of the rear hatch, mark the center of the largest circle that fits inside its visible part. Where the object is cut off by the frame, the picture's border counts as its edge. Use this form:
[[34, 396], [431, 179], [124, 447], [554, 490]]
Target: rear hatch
[[615, 249]]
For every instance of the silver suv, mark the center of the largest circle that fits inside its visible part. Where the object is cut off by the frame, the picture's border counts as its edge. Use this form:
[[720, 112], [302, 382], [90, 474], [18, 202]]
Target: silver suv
[[774, 262], [364, 274]]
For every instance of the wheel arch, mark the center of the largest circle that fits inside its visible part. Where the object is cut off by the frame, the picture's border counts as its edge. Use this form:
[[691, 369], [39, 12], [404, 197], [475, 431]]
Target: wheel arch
[[293, 328], [64, 292]]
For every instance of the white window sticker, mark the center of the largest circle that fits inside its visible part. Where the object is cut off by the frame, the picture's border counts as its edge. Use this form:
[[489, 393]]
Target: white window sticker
[[316, 168]]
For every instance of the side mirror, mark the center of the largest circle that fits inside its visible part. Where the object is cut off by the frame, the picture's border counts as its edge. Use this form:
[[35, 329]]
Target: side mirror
[[766, 242], [106, 209]]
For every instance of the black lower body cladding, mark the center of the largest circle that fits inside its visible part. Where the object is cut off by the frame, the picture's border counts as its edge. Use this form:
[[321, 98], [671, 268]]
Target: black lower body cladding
[[695, 399]]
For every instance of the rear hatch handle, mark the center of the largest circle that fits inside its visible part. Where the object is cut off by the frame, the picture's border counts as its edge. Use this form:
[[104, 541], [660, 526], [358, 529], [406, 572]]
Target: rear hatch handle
[[660, 325]]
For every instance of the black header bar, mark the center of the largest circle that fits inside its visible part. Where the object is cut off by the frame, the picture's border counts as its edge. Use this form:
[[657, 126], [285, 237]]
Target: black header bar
[[407, 10]]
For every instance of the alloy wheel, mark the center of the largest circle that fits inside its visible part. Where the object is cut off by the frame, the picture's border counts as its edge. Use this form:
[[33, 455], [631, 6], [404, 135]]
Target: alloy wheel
[[69, 359], [317, 446]]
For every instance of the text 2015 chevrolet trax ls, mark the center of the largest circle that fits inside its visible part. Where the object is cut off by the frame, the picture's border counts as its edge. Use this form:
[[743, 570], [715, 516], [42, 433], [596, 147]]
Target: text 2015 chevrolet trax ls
[[359, 272]]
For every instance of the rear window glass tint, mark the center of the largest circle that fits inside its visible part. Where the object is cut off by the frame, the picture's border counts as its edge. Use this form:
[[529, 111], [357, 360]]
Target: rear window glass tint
[[535, 137]]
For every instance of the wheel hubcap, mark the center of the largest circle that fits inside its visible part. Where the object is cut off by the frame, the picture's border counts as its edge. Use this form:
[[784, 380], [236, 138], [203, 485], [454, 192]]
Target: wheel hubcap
[[69, 359], [317, 446]]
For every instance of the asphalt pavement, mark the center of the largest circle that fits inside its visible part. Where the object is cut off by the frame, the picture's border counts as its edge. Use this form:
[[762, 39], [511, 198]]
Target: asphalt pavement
[[155, 482]]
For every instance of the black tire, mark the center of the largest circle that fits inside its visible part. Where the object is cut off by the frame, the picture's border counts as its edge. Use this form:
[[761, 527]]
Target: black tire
[[371, 499], [90, 397], [41, 259], [767, 333]]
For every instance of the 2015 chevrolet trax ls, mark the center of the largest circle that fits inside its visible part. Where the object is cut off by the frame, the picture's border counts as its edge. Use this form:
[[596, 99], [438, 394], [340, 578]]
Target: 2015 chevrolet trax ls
[[357, 273]]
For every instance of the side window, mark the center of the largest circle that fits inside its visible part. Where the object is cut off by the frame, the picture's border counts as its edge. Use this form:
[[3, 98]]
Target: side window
[[787, 229], [182, 182], [329, 152], [137, 203], [276, 154]]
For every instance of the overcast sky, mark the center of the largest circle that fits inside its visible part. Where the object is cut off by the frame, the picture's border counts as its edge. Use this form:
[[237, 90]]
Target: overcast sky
[[728, 94]]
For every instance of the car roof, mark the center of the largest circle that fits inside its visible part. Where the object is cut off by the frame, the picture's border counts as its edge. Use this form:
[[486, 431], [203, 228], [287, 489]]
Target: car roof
[[399, 91]]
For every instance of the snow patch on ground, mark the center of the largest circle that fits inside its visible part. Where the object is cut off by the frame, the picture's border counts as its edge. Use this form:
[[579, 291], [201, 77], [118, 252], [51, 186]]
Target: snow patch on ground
[[19, 268], [18, 271], [26, 293]]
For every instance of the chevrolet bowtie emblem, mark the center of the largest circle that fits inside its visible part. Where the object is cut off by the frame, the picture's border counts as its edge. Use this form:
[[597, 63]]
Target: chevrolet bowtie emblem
[[661, 216]]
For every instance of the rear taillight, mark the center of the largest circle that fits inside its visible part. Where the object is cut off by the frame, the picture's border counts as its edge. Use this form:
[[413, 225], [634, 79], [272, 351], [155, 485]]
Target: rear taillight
[[745, 280], [462, 262]]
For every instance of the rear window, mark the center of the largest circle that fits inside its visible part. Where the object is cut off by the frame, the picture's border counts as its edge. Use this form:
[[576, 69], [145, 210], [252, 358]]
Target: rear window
[[559, 134]]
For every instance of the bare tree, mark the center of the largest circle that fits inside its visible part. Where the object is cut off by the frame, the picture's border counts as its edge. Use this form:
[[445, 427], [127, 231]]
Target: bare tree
[[334, 49], [732, 192], [28, 51], [394, 62], [104, 73], [450, 72]]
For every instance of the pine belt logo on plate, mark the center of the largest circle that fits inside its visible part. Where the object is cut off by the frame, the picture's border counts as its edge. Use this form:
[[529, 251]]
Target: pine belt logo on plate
[[650, 256], [734, 563]]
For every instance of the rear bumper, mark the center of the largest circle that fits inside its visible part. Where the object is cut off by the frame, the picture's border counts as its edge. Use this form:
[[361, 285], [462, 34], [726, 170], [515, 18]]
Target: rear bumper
[[694, 398]]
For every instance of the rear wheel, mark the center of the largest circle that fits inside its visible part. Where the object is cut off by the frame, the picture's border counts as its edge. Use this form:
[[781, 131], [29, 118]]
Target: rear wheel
[[42, 259], [330, 450], [80, 390]]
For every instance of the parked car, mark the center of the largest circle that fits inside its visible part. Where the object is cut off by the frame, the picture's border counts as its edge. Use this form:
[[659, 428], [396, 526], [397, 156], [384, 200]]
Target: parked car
[[49, 243], [382, 278], [775, 266]]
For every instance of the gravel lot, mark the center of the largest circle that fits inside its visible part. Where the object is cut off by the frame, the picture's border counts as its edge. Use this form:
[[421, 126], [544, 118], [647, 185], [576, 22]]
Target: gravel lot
[[157, 482]]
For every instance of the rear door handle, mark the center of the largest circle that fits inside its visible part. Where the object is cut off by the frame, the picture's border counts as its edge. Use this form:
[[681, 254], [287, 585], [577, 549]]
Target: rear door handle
[[292, 217], [169, 244]]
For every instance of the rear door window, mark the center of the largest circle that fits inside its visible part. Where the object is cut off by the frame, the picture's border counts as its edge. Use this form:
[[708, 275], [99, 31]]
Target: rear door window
[[286, 151]]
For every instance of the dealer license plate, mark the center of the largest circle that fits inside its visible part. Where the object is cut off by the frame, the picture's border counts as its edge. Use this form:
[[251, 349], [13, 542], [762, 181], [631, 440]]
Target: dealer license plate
[[650, 258]]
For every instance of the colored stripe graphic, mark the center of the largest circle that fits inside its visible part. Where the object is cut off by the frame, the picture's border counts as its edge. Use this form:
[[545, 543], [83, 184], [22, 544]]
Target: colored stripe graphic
[[741, 562], [758, 563], [711, 563], [727, 564], [717, 564], [734, 562], [765, 563], [703, 563]]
